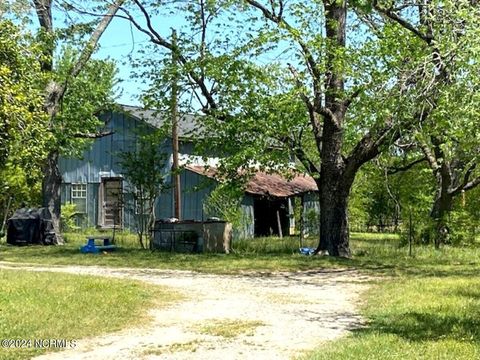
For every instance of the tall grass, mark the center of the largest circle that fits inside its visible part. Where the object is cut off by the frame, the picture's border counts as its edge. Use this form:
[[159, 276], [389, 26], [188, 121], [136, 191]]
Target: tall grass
[[271, 245], [123, 238], [378, 253]]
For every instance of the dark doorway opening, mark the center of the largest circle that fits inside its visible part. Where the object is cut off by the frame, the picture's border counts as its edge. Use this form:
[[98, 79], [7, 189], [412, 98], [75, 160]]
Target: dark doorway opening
[[265, 211]]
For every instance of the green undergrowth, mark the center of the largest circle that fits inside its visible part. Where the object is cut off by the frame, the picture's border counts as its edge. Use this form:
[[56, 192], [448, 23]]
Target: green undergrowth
[[256, 256]]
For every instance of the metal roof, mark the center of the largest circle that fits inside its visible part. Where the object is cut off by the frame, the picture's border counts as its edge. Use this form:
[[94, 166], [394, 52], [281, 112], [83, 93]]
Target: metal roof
[[264, 184], [187, 124]]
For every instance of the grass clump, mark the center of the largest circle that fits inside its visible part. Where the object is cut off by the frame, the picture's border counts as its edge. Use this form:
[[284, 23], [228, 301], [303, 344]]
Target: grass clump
[[190, 346], [37, 305], [228, 328]]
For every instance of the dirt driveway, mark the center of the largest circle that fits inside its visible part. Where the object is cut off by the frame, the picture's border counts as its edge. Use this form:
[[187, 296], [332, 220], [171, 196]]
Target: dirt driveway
[[292, 312]]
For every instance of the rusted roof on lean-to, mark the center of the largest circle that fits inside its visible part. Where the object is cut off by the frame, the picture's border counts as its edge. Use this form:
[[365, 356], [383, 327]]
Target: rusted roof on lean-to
[[264, 184]]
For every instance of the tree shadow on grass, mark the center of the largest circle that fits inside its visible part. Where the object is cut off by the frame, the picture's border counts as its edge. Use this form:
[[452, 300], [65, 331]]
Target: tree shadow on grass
[[470, 293], [417, 268], [419, 327]]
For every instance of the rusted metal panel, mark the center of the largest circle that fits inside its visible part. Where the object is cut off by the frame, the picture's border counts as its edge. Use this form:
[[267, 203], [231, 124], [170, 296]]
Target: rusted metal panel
[[264, 184]]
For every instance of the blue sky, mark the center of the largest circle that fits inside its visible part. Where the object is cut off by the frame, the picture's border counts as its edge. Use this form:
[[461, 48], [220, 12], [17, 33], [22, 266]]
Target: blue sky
[[121, 40], [117, 43]]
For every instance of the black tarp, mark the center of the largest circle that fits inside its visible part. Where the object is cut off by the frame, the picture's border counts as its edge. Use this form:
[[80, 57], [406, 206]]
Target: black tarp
[[30, 226]]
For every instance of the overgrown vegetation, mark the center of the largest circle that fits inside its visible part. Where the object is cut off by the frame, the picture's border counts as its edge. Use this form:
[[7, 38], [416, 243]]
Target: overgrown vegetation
[[379, 253], [23, 138], [224, 203], [129, 254], [41, 306], [67, 219]]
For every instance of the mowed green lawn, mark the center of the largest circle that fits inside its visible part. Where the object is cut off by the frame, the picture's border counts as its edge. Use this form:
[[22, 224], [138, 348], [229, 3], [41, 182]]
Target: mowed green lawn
[[415, 318], [425, 306], [59, 307]]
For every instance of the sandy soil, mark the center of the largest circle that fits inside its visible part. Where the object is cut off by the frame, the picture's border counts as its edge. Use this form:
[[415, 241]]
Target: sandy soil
[[296, 312]]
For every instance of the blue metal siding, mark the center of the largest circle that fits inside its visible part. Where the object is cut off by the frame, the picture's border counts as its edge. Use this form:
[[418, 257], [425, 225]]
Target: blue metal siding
[[195, 190], [129, 217], [311, 213], [247, 227], [102, 160]]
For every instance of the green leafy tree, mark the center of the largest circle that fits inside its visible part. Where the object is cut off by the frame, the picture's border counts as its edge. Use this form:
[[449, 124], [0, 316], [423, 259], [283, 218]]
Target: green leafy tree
[[448, 138], [144, 170], [392, 195], [336, 96], [23, 135], [57, 87], [89, 95], [224, 202]]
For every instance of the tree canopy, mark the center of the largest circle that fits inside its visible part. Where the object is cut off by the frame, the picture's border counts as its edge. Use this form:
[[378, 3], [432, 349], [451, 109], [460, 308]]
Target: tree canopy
[[333, 82], [23, 135]]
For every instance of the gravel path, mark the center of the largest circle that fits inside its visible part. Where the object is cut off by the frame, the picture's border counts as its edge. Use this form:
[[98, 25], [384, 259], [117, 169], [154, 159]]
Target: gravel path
[[295, 313]]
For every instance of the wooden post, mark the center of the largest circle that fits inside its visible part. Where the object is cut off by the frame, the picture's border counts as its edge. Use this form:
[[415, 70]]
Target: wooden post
[[279, 223], [410, 230], [2, 231], [302, 220], [175, 166]]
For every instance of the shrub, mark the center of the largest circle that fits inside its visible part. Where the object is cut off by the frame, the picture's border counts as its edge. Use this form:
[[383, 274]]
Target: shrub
[[67, 220]]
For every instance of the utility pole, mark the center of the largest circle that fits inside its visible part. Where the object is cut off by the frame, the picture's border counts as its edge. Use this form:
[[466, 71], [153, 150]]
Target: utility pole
[[174, 109]]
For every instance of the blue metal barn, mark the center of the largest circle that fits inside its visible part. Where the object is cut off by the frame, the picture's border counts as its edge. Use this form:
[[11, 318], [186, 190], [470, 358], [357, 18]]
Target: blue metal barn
[[95, 182]]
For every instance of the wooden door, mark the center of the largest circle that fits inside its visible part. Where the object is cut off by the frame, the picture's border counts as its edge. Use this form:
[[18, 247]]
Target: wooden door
[[112, 203]]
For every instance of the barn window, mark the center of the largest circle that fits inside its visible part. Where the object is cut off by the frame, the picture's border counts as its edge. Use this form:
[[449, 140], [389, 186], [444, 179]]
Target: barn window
[[79, 197]]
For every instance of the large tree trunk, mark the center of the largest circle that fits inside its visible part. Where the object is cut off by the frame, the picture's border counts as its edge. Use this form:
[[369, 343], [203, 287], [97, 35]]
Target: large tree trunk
[[333, 183], [334, 189], [55, 92], [51, 189], [334, 234], [441, 206]]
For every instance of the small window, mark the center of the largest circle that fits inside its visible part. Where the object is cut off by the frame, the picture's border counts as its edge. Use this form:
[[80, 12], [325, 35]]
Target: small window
[[79, 197]]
